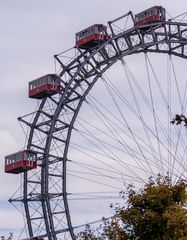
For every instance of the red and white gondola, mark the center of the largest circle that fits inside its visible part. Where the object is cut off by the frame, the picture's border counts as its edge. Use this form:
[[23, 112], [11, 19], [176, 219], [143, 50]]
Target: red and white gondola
[[91, 36], [20, 161], [45, 86], [153, 14]]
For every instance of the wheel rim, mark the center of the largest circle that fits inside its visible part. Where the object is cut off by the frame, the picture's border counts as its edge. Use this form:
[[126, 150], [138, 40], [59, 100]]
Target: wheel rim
[[66, 108]]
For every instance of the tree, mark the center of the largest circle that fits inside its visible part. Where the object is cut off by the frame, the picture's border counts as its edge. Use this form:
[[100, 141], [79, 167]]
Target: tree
[[9, 238], [178, 119], [155, 212]]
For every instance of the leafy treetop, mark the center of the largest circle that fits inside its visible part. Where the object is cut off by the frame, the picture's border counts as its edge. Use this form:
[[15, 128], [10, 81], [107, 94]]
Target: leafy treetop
[[155, 212]]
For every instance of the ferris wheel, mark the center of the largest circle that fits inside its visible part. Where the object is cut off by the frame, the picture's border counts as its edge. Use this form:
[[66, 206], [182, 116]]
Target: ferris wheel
[[103, 122]]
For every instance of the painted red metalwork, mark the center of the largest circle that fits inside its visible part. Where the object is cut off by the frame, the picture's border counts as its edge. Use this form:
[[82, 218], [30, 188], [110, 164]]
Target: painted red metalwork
[[45, 86], [20, 162], [91, 36], [153, 14]]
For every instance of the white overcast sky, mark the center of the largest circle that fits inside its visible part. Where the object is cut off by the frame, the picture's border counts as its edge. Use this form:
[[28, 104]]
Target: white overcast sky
[[31, 32]]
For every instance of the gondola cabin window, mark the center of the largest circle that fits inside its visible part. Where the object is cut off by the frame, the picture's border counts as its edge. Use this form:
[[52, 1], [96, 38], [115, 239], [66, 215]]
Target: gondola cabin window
[[91, 36], [20, 162], [154, 14], [45, 86]]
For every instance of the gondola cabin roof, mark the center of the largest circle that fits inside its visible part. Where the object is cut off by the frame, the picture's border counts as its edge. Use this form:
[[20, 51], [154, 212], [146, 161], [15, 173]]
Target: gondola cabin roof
[[21, 161], [45, 86], [92, 36]]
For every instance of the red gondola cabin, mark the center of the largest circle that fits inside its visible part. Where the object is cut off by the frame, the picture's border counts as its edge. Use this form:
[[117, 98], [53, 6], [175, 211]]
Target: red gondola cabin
[[45, 86], [91, 36], [20, 162], [154, 14]]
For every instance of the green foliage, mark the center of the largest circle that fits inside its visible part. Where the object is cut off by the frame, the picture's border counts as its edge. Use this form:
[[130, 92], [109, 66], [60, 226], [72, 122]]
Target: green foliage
[[178, 119], [155, 212], [89, 234], [8, 238]]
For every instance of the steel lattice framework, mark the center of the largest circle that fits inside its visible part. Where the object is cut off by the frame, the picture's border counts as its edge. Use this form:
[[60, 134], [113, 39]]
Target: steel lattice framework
[[44, 191]]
